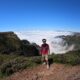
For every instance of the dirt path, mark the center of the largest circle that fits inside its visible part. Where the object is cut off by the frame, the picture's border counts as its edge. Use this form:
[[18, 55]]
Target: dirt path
[[56, 72]]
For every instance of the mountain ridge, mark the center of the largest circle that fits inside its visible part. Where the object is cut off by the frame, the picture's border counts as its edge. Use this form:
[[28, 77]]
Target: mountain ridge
[[59, 42], [10, 43]]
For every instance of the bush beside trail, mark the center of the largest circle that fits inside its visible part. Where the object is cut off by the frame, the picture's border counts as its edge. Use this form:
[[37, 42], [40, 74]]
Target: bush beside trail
[[10, 64], [72, 58], [14, 63]]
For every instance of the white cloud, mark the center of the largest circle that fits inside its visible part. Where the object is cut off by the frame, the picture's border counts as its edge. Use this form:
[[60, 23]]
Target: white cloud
[[37, 36]]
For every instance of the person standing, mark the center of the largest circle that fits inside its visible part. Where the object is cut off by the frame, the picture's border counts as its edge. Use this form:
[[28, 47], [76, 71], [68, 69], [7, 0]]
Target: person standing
[[45, 51]]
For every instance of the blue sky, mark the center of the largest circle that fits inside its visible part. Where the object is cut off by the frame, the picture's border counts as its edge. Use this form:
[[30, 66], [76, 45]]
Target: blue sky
[[20, 15]]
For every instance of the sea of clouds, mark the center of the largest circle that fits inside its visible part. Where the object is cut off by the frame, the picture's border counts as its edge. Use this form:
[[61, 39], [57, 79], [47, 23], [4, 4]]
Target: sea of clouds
[[57, 45]]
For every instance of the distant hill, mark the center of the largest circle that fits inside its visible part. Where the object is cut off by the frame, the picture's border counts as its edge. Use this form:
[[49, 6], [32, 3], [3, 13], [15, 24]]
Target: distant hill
[[72, 40], [11, 44], [54, 43], [60, 42]]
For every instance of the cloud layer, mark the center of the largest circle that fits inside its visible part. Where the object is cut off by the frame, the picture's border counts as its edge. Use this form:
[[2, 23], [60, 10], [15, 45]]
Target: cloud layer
[[57, 45]]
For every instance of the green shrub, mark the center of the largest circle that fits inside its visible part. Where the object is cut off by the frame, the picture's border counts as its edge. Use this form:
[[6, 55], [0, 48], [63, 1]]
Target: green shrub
[[10, 64], [6, 69], [19, 63], [59, 58], [72, 57]]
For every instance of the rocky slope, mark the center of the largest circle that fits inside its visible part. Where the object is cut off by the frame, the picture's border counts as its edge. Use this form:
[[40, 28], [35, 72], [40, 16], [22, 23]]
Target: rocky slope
[[56, 72]]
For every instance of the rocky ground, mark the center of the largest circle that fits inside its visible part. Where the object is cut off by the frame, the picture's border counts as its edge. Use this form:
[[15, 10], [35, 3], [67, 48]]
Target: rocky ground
[[56, 72]]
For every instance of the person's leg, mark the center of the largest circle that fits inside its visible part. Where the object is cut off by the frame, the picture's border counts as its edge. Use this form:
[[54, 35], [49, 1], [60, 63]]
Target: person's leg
[[47, 62], [43, 59]]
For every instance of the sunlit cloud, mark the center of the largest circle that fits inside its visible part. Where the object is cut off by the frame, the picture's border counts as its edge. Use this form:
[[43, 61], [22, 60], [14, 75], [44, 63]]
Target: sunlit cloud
[[37, 36]]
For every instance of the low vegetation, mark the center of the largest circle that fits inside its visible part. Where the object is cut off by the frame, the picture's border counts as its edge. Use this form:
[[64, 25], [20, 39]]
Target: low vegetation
[[13, 63], [10, 64], [16, 54], [72, 57]]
